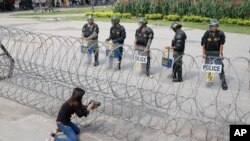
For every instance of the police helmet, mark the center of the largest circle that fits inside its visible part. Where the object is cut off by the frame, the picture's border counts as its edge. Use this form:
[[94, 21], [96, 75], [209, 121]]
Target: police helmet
[[143, 20], [176, 25], [115, 20], [90, 18], [213, 22]]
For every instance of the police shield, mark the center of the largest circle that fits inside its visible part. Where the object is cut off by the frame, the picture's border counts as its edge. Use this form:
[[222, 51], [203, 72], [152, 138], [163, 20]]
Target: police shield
[[140, 59], [211, 66], [87, 50], [166, 60], [113, 52]]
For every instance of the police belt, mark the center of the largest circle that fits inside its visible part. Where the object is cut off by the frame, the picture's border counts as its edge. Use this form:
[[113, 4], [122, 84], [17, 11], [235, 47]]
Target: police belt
[[139, 47], [213, 53]]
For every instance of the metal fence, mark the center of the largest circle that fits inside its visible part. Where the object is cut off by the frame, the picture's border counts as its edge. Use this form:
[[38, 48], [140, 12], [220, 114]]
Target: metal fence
[[40, 70]]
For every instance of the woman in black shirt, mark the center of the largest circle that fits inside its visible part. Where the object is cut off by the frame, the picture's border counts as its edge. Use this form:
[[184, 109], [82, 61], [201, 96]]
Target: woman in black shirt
[[72, 106]]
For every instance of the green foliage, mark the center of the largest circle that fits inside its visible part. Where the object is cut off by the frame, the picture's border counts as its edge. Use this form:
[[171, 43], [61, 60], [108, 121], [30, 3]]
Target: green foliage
[[154, 16], [137, 8], [193, 18], [229, 21], [235, 21], [205, 8], [244, 22], [109, 14], [126, 15], [172, 17], [198, 19], [101, 14]]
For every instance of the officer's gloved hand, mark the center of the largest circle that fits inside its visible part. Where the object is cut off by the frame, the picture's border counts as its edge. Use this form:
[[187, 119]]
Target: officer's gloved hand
[[88, 38], [135, 47], [107, 40], [146, 50], [114, 41], [167, 47], [204, 56], [222, 56]]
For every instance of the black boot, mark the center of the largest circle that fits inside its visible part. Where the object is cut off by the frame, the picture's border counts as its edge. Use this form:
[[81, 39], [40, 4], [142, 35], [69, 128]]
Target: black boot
[[148, 72], [179, 79], [119, 65], [174, 71], [96, 58], [149, 75], [174, 75], [148, 68], [96, 63], [224, 84]]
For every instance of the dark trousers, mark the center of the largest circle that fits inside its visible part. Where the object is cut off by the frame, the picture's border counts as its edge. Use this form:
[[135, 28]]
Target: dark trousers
[[119, 52], [177, 66], [96, 52], [148, 65], [117, 55]]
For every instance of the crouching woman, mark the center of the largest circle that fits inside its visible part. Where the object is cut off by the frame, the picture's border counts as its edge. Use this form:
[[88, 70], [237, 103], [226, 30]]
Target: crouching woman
[[72, 106]]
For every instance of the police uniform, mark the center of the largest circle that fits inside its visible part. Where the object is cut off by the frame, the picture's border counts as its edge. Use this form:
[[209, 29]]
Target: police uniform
[[118, 35], [179, 43], [143, 39], [92, 32], [212, 42]]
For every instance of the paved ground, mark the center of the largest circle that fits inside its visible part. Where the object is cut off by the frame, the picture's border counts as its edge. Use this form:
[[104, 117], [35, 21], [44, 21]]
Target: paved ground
[[237, 44], [18, 121], [14, 118], [21, 123]]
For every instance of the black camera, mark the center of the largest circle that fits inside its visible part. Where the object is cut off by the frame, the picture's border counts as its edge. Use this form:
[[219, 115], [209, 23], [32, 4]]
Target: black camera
[[97, 104]]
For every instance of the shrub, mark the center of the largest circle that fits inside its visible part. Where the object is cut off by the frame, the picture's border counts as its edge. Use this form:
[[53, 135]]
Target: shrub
[[109, 14], [205, 8], [126, 15], [245, 22], [101, 14], [172, 17], [193, 18], [154, 16], [175, 17], [229, 21]]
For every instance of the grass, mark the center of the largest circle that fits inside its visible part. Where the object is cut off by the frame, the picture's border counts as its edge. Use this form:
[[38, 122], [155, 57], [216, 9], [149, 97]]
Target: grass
[[225, 27], [233, 28], [74, 11]]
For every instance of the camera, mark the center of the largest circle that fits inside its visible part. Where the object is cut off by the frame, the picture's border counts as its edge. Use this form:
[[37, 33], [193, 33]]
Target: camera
[[97, 104]]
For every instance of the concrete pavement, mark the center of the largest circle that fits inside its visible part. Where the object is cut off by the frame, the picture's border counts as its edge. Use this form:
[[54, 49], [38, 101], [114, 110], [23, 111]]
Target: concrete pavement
[[14, 118]]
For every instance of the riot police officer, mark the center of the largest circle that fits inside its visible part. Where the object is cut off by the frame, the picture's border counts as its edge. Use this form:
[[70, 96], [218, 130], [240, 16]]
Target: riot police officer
[[117, 35], [212, 47], [90, 33], [178, 45], [143, 39]]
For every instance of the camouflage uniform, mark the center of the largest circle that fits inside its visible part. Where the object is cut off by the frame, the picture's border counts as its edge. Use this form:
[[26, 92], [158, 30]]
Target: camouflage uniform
[[91, 32], [212, 41], [117, 35]]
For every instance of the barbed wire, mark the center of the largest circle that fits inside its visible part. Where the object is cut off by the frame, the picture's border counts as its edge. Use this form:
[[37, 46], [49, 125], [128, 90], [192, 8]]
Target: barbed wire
[[40, 70]]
